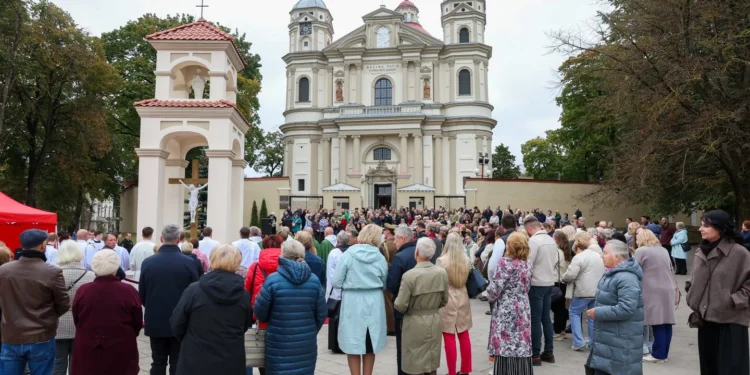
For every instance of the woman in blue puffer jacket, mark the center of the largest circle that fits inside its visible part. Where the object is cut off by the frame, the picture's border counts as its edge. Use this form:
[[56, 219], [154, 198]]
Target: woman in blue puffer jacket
[[292, 303], [618, 315]]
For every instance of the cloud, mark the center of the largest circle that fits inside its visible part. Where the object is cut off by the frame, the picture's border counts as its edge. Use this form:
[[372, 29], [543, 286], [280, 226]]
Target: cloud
[[521, 70]]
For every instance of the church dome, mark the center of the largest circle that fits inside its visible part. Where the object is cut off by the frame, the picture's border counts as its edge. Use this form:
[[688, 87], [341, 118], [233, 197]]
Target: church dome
[[406, 3], [310, 4]]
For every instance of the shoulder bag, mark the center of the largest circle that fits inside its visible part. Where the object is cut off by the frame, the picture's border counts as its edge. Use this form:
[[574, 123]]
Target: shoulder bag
[[557, 293], [255, 338], [476, 283], [68, 289]]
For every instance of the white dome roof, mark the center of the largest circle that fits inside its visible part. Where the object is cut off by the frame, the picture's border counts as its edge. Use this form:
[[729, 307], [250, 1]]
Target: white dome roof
[[310, 4]]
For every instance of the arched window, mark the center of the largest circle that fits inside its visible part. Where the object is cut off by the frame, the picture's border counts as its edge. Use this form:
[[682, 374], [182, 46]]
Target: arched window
[[304, 89], [382, 153], [384, 37], [463, 35], [464, 82], [383, 92]]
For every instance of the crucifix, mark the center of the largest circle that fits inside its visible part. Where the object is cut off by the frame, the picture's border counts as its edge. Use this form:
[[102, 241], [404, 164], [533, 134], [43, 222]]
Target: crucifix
[[201, 6], [192, 184]]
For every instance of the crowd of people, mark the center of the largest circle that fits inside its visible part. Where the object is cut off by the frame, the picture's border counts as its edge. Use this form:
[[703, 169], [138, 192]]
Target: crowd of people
[[77, 305]]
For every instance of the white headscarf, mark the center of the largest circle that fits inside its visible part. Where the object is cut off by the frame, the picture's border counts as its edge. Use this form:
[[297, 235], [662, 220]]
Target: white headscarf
[[105, 263]]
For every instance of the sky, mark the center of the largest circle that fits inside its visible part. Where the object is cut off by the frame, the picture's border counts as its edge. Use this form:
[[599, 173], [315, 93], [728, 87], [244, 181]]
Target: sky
[[522, 73]]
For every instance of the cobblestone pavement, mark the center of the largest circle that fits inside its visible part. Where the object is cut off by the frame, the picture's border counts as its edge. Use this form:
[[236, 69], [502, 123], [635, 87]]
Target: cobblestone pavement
[[683, 358]]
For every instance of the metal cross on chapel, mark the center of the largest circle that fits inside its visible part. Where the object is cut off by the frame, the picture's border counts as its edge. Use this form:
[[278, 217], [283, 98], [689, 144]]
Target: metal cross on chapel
[[201, 6]]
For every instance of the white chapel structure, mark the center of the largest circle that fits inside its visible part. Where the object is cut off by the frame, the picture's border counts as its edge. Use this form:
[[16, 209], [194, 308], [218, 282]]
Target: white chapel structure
[[181, 117], [387, 110]]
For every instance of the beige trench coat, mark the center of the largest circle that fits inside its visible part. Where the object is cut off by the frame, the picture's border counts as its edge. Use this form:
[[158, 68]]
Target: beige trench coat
[[424, 290], [456, 315]]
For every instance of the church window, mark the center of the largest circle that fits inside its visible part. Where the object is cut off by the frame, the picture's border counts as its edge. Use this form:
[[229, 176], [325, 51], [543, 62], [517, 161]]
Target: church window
[[384, 37], [382, 153], [304, 89], [464, 82], [383, 92], [307, 43], [301, 185], [463, 35]]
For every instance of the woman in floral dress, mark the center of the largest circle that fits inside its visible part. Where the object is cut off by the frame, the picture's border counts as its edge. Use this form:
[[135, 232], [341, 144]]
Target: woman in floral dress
[[510, 330]]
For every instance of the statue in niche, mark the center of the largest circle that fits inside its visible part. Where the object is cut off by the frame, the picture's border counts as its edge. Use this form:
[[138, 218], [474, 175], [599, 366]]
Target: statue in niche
[[199, 84], [339, 91], [427, 89]]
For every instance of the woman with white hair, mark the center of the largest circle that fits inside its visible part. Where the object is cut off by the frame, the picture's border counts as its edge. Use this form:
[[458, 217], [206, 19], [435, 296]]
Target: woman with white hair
[[291, 301], [361, 275], [108, 318], [214, 314], [69, 257]]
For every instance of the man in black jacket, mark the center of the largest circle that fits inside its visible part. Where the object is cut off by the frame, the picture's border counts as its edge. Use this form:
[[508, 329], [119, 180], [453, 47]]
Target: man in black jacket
[[402, 262], [164, 276]]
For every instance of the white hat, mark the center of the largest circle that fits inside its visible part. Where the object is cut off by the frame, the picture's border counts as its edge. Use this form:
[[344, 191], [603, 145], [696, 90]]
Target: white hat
[[105, 263]]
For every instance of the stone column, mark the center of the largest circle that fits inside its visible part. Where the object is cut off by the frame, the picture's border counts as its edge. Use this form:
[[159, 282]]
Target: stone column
[[174, 201], [417, 78], [314, 145], [285, 167], [314, 91], [438, 164], [356, 168], [342, 159], [452, 74], [220, 164], [446, 165], [218, 89], [477, 86], [151, 163], [404, 154], [347, 84], [326, 163], [359, 85], [238, 194], [418, 155], [405, 81], [428, 177], [436, 82]]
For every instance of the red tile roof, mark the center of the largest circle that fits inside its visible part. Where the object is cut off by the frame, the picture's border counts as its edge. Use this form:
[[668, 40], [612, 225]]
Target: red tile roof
[[406, 3], [186, 103], [198, 30], [418, 27]]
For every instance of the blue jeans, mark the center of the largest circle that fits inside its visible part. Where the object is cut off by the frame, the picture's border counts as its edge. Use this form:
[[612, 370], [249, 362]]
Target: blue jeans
[[662, 341], [540, 298], [40, 358], [579, 306]]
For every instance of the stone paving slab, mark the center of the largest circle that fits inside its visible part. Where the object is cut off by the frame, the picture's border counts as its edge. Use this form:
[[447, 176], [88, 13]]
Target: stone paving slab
[[683, 354]]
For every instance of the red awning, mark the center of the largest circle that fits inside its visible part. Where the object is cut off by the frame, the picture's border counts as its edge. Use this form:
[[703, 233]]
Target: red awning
[[15, 212]]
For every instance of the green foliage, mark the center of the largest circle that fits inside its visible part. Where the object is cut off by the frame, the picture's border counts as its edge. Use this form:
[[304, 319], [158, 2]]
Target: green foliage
[[254, 219], [271, 156], [504, 163], [263, 209], [542, 159]]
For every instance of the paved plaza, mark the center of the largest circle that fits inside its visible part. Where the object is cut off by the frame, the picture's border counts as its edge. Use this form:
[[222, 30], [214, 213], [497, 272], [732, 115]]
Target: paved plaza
[[683, 355]]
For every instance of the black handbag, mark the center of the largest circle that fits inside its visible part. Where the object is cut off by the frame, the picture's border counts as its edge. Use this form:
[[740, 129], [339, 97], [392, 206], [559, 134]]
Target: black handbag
[[333, 308], [476, 283], [686, 247]]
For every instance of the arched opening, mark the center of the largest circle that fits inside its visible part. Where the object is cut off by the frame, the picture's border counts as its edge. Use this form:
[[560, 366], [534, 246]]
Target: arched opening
[[383, 92], [463, 35], [304, 90], [382, 154], [464, 83]]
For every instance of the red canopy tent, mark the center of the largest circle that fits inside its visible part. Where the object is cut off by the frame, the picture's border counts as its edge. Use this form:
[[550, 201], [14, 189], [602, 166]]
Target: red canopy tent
[[16, 218]]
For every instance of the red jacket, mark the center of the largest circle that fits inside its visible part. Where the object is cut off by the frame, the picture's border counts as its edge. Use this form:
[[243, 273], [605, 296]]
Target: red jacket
[[108, 318], [268, 262]]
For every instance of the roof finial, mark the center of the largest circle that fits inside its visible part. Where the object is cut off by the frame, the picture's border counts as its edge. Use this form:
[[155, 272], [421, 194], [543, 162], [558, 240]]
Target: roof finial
[[201, 6]]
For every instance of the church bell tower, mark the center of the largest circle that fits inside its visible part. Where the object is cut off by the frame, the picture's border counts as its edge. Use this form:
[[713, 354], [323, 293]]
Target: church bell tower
[[311, 27], [463, 21]]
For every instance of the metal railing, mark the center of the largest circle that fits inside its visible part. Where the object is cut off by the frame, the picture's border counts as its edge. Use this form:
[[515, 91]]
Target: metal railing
[[385, 110]]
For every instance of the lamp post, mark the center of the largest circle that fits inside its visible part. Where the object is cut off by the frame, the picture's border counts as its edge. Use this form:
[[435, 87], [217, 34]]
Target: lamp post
[[484, 159]]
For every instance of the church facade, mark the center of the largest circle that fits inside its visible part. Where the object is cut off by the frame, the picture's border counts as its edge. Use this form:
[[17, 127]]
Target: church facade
[[387, 114]]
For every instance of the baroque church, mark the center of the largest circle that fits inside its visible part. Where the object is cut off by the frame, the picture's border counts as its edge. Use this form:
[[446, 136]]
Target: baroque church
[[388, 113]]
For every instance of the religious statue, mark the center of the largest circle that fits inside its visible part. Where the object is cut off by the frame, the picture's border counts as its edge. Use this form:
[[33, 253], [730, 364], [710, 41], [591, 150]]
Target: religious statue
[[339, 92], [199, 84], [427, 89], [193, 202]]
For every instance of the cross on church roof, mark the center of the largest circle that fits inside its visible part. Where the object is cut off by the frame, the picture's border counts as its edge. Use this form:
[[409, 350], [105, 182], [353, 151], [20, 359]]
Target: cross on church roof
[[201, 6]]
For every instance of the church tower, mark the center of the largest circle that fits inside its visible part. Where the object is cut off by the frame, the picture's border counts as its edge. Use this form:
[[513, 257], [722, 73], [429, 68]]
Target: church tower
[[463, 21], [311, 27]]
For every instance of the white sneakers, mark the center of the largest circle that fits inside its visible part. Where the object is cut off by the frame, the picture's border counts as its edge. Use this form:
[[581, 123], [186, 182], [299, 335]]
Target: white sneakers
[[650, 359]]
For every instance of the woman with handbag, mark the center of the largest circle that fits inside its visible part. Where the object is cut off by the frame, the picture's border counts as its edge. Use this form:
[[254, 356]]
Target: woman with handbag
[[510, 329], [718, 294], [361, 275], [564, 257], [455, 317], [583, 275], [659, 293], [680, 247]]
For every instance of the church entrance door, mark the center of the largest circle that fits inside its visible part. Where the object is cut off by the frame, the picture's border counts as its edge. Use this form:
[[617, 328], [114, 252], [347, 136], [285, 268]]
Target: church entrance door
[[383, 195]]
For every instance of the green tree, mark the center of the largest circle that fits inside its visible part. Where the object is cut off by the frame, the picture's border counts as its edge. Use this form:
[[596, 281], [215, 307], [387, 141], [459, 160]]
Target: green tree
[[542, 159], [254, 219], [56, 115], [13, 18], [504, 163], [135, 59], [675, 75], [271, 158], [263, 209]]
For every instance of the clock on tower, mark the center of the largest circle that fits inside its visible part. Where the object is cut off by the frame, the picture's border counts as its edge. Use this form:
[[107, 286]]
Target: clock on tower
[[305, 28]]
